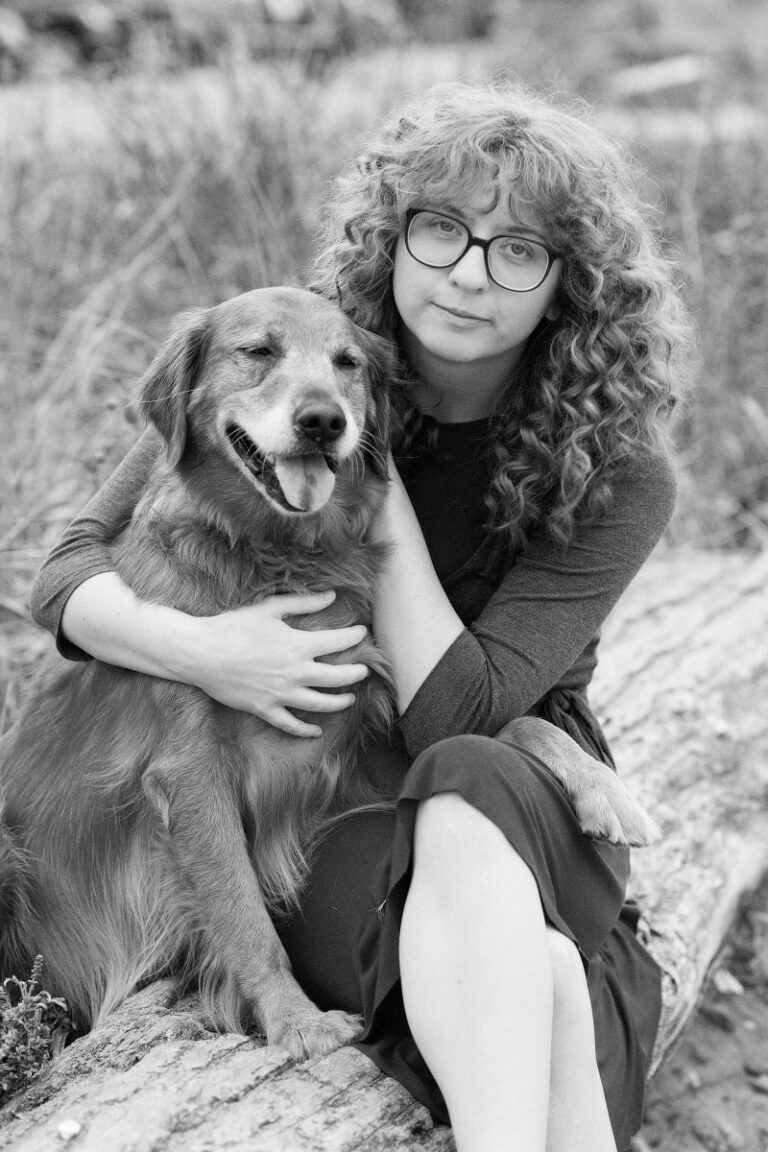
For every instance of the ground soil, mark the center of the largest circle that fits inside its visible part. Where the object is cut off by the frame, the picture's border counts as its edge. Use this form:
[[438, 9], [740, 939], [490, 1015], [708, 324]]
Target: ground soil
[[712, 1092]]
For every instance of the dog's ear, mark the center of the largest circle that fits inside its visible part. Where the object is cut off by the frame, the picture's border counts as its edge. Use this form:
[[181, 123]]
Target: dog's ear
[[382, 370], [168, 382]]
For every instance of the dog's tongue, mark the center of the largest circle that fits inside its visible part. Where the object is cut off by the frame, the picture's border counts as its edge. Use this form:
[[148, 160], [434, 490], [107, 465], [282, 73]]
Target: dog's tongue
[[307, 481]]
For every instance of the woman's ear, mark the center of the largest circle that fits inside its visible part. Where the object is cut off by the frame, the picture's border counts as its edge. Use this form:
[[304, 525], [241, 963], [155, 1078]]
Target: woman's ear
[[167, 384], [382, 368]]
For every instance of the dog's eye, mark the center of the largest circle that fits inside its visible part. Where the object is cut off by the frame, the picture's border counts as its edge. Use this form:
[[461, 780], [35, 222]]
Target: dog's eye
[[345, 360], [260, 351]]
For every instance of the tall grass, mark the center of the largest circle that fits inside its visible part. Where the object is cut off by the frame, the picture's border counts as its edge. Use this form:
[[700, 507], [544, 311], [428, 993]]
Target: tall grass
[[123, 203], [717, 211]]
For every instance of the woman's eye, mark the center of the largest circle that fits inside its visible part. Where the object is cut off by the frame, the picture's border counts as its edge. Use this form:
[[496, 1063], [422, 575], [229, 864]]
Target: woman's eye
[[516, 250], [444, 228]]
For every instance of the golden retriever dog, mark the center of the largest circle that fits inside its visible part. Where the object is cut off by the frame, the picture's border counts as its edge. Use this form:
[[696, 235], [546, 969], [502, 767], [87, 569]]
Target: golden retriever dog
[[159, 826], [147, 828]]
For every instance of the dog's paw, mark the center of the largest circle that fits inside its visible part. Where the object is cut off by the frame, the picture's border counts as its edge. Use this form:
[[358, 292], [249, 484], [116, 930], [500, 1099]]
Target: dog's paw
[[607, 810], [316, 1034]]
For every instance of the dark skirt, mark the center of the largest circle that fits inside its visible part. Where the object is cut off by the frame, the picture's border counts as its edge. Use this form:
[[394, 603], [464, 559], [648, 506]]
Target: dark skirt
[[344, 942]]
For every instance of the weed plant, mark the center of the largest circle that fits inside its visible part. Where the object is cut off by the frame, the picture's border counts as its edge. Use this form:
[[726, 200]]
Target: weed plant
[[30, 1021]]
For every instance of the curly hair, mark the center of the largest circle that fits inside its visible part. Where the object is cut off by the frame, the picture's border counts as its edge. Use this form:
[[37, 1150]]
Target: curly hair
[[595, 385]]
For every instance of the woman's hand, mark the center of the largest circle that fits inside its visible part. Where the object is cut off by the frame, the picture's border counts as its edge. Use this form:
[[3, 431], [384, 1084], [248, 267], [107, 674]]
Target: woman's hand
[[250, 659]]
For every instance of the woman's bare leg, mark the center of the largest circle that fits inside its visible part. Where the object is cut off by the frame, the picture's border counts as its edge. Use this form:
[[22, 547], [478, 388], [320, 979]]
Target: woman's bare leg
[[479, 975], [578, 1113]]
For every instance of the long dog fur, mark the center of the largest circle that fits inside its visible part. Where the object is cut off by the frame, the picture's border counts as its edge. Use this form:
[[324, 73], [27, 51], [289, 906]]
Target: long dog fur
[[147, 827]]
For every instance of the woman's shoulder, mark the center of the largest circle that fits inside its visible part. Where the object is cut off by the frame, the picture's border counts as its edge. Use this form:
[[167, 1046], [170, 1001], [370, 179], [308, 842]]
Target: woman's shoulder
[[648, 471], [643, 491]]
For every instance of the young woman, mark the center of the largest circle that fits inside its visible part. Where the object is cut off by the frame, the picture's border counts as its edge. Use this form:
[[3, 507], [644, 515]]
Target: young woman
[[497, 239]]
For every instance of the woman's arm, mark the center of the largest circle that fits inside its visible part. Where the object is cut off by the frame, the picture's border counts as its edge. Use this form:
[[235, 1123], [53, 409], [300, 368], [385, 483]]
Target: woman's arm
[[413, 621], [248, 658], [541, 618], [85, 547]]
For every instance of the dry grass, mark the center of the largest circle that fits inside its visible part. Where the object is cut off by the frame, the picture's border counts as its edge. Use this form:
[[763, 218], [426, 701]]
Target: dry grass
[[124, 202]]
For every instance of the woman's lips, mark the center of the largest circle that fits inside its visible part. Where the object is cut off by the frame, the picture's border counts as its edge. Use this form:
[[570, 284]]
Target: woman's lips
[[459, 313]]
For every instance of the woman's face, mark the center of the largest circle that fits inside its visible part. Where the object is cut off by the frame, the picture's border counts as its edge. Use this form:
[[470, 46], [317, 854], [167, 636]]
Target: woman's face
[[458, 316]]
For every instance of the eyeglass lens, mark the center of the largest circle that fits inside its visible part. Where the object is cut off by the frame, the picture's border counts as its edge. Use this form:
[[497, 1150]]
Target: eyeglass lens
[[439, 241]]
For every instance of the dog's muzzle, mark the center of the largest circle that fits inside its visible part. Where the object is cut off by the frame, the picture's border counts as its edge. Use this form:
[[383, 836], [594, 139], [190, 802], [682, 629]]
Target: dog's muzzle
[[298, 484]]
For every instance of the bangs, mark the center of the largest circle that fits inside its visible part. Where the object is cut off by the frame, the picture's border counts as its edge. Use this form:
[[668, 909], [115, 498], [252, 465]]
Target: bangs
[[475, 173]]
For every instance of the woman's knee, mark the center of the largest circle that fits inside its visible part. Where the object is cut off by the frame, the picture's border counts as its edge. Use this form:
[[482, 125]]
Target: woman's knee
[[457, 842], [569, 980], [465, 758], [447, 822]]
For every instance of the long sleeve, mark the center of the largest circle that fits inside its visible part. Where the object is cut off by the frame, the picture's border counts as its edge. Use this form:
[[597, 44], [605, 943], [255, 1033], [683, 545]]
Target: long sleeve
[[543, 616], [84, 549]]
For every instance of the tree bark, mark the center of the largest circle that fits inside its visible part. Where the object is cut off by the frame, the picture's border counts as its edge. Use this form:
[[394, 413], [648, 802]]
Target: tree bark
[[681, 691]]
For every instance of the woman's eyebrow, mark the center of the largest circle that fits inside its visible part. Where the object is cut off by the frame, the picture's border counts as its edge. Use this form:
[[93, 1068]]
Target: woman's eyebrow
[[516, 228], [524, 229]]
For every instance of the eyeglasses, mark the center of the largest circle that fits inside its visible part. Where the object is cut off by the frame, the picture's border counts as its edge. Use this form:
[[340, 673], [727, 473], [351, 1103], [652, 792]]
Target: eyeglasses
[[513, 262]]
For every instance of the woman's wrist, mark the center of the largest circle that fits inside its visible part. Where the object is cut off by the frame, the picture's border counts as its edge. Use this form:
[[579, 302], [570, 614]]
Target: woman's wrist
[[181, 644]]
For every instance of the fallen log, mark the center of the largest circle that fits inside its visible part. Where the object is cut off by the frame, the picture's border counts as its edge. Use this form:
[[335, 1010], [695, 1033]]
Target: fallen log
[[681, 690]]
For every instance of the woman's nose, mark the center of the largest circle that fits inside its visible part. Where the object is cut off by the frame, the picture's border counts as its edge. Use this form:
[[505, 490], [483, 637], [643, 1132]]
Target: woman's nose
[[470, 272]]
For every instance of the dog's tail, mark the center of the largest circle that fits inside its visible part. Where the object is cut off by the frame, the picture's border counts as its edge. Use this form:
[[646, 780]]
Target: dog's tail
[[14, 904]]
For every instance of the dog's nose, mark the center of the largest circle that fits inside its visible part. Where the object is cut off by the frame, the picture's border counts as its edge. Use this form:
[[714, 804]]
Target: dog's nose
[[321, 421]]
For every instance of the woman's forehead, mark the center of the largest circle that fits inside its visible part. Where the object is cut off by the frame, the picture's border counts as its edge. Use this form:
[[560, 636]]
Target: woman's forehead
[[502, 207]]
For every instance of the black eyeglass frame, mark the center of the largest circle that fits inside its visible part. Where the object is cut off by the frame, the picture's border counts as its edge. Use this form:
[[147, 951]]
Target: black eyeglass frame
[[473, 241]]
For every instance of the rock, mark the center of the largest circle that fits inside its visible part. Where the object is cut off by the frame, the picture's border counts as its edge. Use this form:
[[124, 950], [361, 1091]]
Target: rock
[[68, 1129]]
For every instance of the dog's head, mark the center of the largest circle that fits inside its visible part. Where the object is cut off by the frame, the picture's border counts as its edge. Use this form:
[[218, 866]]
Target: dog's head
[[282, 384]]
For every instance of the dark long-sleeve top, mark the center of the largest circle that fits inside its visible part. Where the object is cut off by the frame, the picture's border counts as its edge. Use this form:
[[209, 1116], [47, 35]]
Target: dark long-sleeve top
[[531, 619]]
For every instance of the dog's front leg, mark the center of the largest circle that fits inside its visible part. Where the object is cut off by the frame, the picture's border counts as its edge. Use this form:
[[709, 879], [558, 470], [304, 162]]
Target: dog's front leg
[[233, 930], [605, 807]]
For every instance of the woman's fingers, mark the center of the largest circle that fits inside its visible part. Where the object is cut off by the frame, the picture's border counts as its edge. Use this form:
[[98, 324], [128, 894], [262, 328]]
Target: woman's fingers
[[257, 662], [300, 604], [311, 701], [284, 720], [308, 701], [322, 641], [328, 640], [321, 675]]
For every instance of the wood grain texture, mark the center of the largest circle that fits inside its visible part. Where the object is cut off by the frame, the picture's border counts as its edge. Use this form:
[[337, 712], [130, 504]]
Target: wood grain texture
[[681, 691]]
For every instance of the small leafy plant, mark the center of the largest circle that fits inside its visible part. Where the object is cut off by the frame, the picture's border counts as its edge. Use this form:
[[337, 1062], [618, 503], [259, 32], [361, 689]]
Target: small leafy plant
[[30, 1020]]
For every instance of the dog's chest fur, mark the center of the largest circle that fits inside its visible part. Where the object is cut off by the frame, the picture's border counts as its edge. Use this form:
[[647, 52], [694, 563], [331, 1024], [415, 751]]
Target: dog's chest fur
[[179, 552]]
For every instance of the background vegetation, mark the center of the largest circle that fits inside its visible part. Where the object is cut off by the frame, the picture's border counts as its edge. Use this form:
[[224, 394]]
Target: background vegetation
[[151, 178]]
